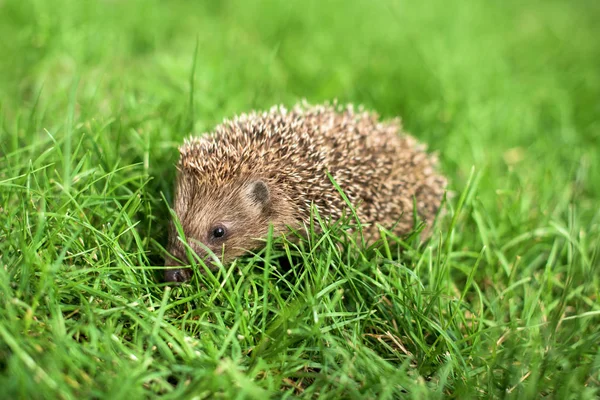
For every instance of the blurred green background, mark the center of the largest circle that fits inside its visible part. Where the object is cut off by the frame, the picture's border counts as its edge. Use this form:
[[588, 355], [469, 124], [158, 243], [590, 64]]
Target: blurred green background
[[95, 97], [497, 85]]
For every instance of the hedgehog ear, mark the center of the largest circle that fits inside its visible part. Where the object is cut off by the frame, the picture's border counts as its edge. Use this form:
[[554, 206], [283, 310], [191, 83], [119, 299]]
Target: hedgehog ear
[[258, 192]]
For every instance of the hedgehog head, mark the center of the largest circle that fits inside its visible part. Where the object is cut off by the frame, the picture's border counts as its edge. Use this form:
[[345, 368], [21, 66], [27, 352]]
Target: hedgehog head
[[226, 217]]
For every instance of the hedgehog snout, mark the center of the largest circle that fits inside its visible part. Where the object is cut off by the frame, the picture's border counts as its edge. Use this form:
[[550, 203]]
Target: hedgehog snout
[[175, 274], [178, 275]]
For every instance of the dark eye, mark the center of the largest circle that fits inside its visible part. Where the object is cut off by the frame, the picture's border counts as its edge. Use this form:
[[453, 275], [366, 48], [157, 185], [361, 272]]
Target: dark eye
[[218, 232]]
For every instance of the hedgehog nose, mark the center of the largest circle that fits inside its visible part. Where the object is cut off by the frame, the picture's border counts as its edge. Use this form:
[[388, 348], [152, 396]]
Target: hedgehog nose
[[177, 275]]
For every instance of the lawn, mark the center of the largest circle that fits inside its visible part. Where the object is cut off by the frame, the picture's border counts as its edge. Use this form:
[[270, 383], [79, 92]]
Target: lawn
[[503, 301]]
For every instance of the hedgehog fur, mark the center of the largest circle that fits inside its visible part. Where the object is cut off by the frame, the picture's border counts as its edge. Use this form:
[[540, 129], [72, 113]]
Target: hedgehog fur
[[270, 168]]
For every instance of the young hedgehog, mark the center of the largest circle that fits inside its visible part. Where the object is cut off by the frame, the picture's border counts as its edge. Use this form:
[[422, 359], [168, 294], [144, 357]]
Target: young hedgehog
[[268, 168]]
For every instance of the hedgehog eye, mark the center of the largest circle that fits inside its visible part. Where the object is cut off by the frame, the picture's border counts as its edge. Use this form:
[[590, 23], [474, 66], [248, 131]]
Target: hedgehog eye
[[218, 232]]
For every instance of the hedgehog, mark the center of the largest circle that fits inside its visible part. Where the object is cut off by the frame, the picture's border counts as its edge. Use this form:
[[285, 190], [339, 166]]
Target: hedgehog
[[267, 170]]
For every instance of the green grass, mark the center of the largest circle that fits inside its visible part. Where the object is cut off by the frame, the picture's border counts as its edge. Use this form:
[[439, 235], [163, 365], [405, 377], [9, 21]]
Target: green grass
[[503, 301]]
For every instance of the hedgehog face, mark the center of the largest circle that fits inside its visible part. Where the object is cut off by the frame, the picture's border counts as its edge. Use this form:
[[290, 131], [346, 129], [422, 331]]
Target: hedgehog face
[[227, 220]]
